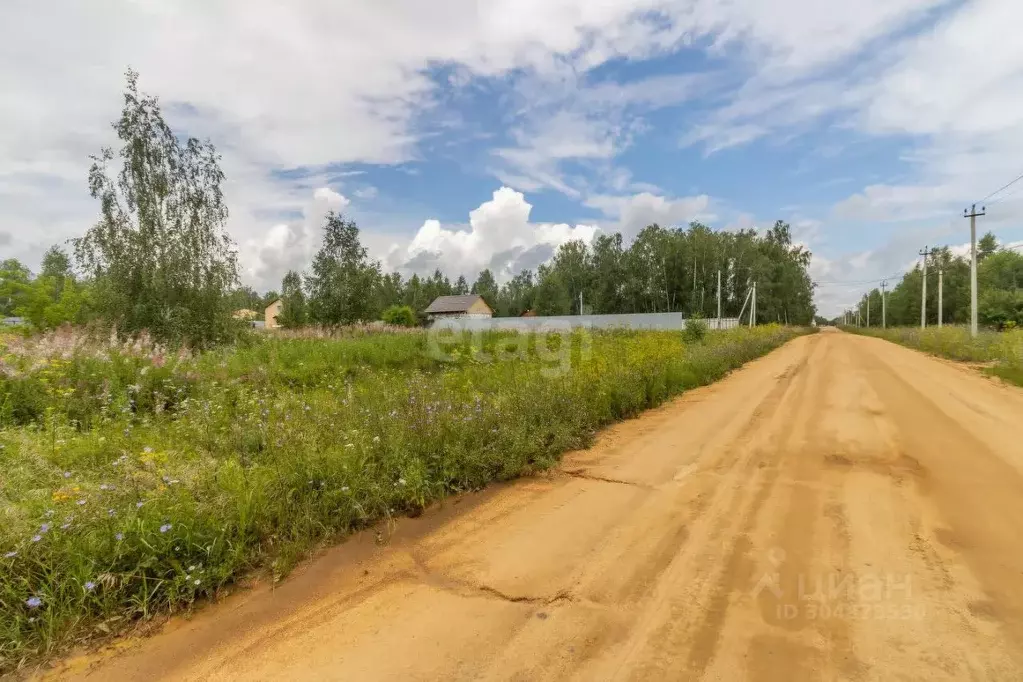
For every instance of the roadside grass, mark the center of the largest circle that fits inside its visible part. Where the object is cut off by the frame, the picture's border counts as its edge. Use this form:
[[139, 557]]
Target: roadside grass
[[135, 481], [1002, 350]]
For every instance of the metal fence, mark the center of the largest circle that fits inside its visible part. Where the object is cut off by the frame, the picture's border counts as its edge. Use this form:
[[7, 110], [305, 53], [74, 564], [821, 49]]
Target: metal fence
[[653, 321]]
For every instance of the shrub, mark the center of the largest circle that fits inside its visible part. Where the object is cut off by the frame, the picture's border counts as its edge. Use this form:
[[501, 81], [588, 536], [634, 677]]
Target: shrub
[[400, 316], [694, 331]]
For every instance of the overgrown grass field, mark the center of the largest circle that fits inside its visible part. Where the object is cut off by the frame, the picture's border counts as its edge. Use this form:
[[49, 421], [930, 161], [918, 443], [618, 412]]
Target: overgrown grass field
[[135, 480], [1002, 350]]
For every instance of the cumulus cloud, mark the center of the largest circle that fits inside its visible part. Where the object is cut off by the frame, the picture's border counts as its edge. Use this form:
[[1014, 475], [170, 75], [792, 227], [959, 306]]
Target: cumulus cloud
[[265, 258], [632, 213], [330, 198], [499, 236]]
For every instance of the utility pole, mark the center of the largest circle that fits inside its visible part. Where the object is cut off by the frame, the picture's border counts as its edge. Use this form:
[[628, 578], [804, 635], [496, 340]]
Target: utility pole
[[941, 286], [868, 311], [719, 299], [923, 297], [754, 318], [580, 302], [972, 215], [884, 305]]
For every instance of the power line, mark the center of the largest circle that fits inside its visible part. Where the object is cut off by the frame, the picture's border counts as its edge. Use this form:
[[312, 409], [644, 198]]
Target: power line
[[1003, 187], [862, 281], [1005, 196]]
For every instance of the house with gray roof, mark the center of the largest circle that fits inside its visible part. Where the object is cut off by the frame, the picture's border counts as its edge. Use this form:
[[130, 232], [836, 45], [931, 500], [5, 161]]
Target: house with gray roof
[[469, 306]]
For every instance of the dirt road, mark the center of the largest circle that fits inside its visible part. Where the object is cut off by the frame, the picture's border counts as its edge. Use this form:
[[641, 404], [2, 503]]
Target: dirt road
[[843, 509]]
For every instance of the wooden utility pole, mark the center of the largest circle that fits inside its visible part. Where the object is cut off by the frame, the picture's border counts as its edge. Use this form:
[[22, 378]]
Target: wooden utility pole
[[923, 296], [972, 215]]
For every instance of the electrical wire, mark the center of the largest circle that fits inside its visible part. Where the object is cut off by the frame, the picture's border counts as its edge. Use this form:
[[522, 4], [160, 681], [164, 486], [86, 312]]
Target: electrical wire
[[863, 281], [1005, 196], [1003, 187]]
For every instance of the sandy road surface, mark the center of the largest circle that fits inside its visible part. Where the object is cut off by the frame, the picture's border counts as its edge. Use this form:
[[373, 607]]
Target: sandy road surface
[[843, 509]]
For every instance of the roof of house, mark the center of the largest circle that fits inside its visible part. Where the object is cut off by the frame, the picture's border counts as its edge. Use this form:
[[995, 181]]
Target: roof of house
[[454, 304]]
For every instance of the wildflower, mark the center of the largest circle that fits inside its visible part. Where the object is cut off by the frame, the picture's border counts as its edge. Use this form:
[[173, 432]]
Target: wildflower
[[119, 537], [138, 505], [33, 602], [198, 582], [45, 528], [165, 527], [67, 474], [10, 555], [65, 526], [376, 439], [111, 512], [89, 586], [191, 568], [104, 486], [401, 481], [81, 503], [344, 488], [37, 538], [49, 513], [147, 450]]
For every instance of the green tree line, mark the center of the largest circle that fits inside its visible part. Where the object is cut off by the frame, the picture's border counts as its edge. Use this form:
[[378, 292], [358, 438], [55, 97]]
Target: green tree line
[[999, 290], [663, 270]]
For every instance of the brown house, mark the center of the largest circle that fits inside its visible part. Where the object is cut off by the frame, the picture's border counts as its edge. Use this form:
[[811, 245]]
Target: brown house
[[469, 305]]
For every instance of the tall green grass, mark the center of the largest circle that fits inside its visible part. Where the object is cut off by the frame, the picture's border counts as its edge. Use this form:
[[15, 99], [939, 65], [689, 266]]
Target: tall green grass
[[1002, 350], [135, 482]]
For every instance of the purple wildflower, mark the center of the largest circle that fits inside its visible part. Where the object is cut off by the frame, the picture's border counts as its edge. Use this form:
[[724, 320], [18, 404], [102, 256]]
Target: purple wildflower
[[165, 527], [10, 555], [81, 503], [67, 474], [37, 538], [89, 586], [138, 505], [45, 528], [33, 602], [119, 537]]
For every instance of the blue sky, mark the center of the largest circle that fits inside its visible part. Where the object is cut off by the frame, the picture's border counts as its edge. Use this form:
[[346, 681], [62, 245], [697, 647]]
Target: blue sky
[[464, 134]]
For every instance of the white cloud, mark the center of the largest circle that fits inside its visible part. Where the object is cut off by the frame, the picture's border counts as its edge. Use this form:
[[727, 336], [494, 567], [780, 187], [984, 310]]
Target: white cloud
[[266, 257], [632, 213], [330, 197], [499, 236]]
